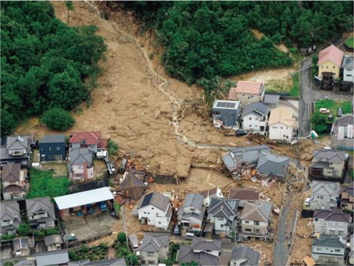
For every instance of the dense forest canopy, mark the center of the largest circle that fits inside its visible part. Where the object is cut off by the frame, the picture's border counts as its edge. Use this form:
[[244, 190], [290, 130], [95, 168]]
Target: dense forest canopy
[[43, 61], [205, 39]]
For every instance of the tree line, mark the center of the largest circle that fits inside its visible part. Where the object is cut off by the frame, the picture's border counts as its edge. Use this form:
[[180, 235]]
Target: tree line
[[202, 40], [44, 62]]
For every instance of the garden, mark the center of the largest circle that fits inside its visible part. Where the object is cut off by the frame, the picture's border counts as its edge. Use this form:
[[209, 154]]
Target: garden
[[43, 184], [93, 253], [333, 105]]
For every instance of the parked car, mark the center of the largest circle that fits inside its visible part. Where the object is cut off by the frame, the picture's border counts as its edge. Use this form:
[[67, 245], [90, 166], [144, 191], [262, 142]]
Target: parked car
[[176, 230], [240, 133], [307, 202], [324, 111]]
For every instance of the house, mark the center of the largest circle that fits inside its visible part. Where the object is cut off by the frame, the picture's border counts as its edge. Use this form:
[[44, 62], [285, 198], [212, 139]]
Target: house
[[192, 212], [222, 213], [255, 219], [154, 248], [155, 209], [57, 257], [328, 250], [255, 117], [52, 148], [244, 256], [347, 197], [10, 217], [281, 124], [328, 165], [348, 68], [332, 222], [226, 113], [249, 155], [324, 195], [209, 194], [244, 195], [80, 164], [329, 62], [53, 242], [230, 161], [21, 246], [90, 140], [272, 165], [13, 179], [342, 136], [40, 213], [16, 149], [133, 185], [201, 250], [247, 92]]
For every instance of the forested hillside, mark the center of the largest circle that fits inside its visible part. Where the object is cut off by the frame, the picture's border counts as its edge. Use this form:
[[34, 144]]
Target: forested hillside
[[43, 61], [205, 39]]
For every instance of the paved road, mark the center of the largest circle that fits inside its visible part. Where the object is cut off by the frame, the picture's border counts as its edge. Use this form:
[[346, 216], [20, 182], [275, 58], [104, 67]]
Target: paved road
[[305, 97]]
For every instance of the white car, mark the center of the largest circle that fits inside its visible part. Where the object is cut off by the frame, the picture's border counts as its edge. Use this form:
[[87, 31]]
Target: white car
[[324, 111], [307, 202]]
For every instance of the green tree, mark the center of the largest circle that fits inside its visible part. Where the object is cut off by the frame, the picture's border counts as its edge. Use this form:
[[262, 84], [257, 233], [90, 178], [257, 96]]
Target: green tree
[[23, 229], [84, 249], [319, 122], [112, 147], [8, 263], [57, 119], [131, 259], [121, 237], [8, 122]]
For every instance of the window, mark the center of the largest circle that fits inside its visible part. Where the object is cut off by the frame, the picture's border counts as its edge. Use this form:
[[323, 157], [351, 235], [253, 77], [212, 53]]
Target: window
[[250, 125], [337, 250], [257, 118], [247, 222], [221, 225], [321, 66], [256, 223], [150, 254], [50, 148], [144, 212], [333, 67], [281, 128], [58, 148], [256, 230], [316, 220], [152, 208], [250, 118], [248, 230], [159, 222]]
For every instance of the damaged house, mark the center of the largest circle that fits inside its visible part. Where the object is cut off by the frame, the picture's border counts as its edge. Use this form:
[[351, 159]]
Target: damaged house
[[273, 166], [209, 194], [133, 185]]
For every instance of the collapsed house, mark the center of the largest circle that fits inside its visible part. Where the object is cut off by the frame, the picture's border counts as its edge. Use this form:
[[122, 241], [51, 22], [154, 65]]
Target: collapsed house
[[133, 185]]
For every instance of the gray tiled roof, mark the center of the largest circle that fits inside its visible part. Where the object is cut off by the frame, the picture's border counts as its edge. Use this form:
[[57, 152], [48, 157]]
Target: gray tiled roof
[[332, 215], [111, 262], [330, 188], [243, 194], [79, 156], [256, 108], [328, 241], [331, 156], [52, 139], [230, 161], [17, 142], [153, 242], [11, 172], [186, 255], [53, 239], [156, 199], [270, 164], [348, 62], [344, 120], [249, 255], [10, 210], [39, 205], [271, 98], [249, 154], [259, 211], [25, 263], [193, 200], [199, 243], [52, 258], [223, 208]]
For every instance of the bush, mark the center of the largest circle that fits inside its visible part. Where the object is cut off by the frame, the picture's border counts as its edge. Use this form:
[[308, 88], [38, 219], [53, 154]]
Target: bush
[[8, 237], [8, 263], [131, 259], [319, 122], [121, 237], [112, 147], [57, 119], [23, 229], [84, 249]]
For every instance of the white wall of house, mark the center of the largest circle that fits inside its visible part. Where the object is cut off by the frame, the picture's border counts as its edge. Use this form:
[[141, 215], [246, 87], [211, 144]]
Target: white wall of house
[[279, 131], [193, 223], [206, 201], [13, 196], [211, 252], [220, 224], [254, 122], [152, 258], [348, 75], [250, 227], [322, 201], [155, 216], [331, 228], [237, 262]]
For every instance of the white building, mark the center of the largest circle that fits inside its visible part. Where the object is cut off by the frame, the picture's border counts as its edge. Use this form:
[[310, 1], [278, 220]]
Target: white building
[[209, 194], [281, 124], [348, 68], [155, 209], [332, 222], [222, 213], [254, 117], [324, 195]]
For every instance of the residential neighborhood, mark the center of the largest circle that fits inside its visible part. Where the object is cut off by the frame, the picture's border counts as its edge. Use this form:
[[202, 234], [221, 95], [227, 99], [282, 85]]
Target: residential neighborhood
[[177, 133]]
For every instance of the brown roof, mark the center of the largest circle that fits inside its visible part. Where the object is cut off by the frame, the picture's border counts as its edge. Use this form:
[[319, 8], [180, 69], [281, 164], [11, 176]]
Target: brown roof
[[13, 189], [332, 54], [281, 115], [246, 87], [134, 184], [333, 216], [209, 192], [243, 194], [90, 138], [11, 172]]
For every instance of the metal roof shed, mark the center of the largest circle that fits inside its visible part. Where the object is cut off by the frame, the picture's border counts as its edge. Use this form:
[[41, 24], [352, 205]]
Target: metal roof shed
[[84, 198], [52, 258]]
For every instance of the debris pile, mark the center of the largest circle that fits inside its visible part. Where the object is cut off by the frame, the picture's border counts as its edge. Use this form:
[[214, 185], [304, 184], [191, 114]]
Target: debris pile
[[296, 177], [305, 149], [260, 139]]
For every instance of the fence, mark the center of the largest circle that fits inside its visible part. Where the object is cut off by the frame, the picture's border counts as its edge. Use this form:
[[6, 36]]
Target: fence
[[307, 213]]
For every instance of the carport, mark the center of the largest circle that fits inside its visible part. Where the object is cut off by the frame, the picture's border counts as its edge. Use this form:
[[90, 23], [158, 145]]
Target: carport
[[80, 201]]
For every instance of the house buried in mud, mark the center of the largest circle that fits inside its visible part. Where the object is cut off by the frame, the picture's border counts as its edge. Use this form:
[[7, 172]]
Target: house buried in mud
[[132, 185]]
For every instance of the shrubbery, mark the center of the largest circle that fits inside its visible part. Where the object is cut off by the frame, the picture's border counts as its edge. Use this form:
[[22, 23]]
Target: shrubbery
[[94, 253], [23, 229], [57, 119], [43, 61], [318, 122], [112, 147]]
